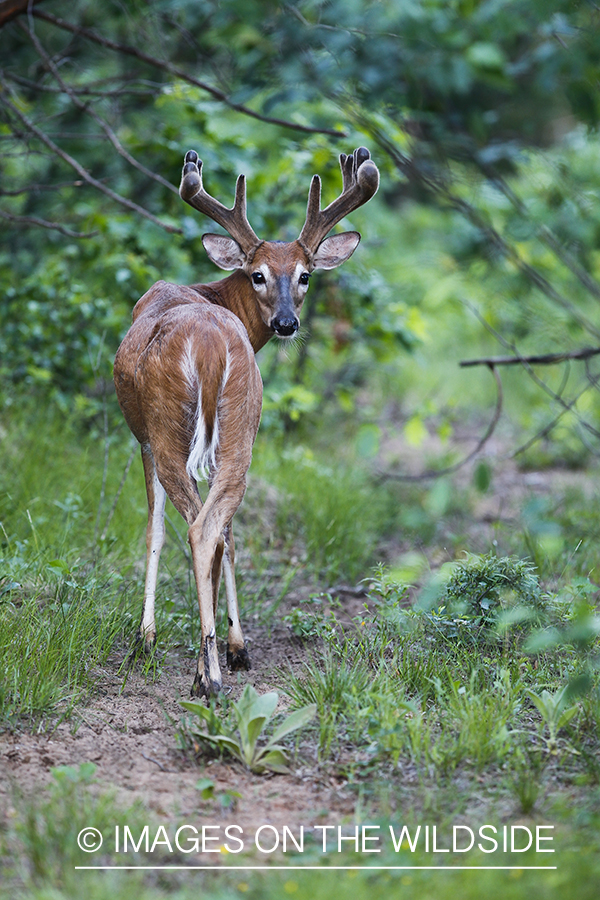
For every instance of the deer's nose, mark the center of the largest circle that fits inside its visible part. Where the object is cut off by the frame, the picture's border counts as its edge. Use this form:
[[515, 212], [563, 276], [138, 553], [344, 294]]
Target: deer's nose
[[285, 326]]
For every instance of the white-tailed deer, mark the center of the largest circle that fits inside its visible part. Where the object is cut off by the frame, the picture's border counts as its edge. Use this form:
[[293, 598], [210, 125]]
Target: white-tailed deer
[[191, 392]]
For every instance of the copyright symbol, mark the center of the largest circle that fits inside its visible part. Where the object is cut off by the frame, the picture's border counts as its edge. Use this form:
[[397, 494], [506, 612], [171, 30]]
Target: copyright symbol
[[89, 840]]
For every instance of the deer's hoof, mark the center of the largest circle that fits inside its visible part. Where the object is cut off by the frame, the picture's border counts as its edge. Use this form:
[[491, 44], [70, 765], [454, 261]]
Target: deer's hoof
[[238, 659], [144, 643], [202, 688]]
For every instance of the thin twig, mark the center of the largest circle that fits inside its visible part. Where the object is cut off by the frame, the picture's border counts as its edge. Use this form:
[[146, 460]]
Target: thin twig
[[545, 431], [37, 188], [86, 108], [44, 223], [117, 198], [156, 762], [531, 372], [88, 90], [10, 9], [543, 233]]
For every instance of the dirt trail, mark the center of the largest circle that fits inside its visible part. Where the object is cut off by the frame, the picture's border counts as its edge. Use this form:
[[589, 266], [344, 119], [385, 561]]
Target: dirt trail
[[130, 735]]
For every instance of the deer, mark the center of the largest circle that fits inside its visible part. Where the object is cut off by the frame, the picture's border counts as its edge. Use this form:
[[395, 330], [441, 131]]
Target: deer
[[190, 389]]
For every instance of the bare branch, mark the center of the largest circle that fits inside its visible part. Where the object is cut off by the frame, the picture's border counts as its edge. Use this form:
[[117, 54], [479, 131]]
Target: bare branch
[[543, 232], [10, 9], [44, 223], [86, 108], [545, 431], [166, 66], [546, 359], [117, 198], [85, 90], [436, 473], [37, 188], [532, 374]]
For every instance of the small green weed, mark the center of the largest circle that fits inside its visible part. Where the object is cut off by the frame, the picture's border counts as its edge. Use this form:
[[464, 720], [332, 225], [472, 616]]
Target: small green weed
[[309, 620], [555, 712], [482, 587], [252, 713]]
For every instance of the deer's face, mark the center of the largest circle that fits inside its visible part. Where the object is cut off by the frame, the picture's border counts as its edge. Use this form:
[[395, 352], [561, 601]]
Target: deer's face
[[280, 272]]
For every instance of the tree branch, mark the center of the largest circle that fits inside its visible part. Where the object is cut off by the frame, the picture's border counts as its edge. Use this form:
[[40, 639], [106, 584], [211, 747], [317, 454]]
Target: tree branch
[[44, 223], [436, 473], [545, 359], [532, 374], [86, 108], [84, 90], [166, 66], [10, 9], [83, 173]]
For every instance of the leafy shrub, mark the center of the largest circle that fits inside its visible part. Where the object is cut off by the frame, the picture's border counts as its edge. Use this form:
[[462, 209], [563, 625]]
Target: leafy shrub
[[487, 591]]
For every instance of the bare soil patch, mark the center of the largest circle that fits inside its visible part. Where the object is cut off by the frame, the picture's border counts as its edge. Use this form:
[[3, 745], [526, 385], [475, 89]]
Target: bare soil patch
[[129, 733]]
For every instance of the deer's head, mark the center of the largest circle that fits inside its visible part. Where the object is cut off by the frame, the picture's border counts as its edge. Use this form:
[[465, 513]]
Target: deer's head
[[280, 272]]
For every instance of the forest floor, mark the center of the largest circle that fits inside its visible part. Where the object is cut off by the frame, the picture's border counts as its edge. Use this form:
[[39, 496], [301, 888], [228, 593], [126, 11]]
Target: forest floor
[[128, 727]]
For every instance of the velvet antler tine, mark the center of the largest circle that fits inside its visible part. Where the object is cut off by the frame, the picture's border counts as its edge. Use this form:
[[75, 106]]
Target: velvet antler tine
[[360, 180]]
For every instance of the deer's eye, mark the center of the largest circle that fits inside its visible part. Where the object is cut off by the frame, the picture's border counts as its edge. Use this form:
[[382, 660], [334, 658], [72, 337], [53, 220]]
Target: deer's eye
[[304, 278], [258, 278]]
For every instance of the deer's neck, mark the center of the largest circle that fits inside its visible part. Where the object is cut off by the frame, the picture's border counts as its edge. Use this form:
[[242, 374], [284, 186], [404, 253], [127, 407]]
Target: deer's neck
[[235, 293]]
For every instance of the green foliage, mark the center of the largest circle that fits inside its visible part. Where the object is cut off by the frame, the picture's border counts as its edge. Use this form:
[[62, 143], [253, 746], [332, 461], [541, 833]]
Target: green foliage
[[486, 591], [339, 513], [252, 713], [309, 620], [461, 83], [47, 823]]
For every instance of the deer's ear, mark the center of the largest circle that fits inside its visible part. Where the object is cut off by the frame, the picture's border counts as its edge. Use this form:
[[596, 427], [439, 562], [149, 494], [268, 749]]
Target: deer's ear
[[223, 251], [335, 250]]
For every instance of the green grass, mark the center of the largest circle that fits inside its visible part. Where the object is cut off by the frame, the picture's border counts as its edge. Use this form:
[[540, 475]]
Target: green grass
[[420, 714], [409, 693], [51, 646], [67, 598], [331, 505]]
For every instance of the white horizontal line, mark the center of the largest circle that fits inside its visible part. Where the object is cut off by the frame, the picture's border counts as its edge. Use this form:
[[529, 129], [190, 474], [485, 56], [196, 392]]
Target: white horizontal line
[[327, 868]]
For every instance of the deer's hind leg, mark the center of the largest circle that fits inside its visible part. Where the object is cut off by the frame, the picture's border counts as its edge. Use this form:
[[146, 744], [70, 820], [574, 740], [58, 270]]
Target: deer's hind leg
[[207, 541], [237, 653], [155, 538]]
